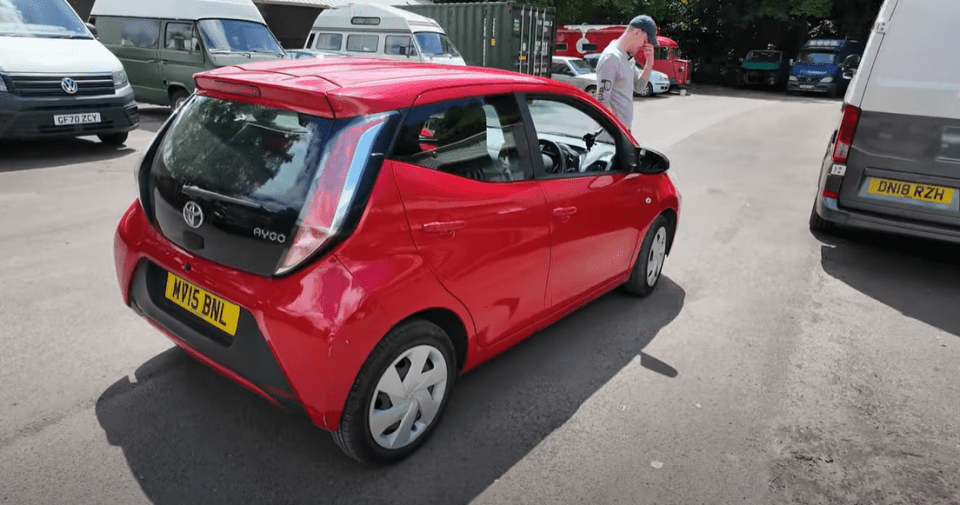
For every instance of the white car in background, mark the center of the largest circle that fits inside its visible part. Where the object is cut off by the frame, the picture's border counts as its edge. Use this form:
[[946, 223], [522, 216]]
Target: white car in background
[[659, 82], [574, 71]]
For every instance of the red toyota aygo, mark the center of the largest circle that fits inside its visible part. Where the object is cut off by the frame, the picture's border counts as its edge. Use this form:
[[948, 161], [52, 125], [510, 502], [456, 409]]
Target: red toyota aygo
[[346, 236]]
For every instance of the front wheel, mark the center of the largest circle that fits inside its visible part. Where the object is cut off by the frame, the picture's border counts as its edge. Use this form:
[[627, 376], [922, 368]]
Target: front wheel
[[592, 90], [646, 270], [399, 395], [646, 91], [177, 98], [116, 139]]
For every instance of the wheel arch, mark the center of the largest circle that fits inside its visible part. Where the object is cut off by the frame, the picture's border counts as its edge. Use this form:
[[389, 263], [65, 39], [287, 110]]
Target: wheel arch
[[671, 217], [451, 324]]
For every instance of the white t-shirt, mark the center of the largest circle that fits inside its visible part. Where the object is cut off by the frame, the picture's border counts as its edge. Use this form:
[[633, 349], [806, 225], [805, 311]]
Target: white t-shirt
[[615, 80]]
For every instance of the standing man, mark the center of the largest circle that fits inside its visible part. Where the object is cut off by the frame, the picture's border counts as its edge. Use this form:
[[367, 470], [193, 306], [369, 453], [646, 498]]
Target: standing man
[[615, 68]]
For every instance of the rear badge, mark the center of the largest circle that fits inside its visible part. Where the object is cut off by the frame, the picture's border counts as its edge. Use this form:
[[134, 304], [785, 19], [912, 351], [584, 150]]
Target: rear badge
[[269, 235], [193, 214]]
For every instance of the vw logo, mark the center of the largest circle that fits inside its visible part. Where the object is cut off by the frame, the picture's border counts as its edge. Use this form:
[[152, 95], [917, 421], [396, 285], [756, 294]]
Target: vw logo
[[192, 214], [69, 85]]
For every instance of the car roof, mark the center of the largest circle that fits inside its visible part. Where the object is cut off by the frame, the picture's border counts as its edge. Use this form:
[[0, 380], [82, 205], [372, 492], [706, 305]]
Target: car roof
[[348, 87]]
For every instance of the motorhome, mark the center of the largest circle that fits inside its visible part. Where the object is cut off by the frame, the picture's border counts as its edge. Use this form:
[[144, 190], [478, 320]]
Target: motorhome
[[162, 43], [382, 31], [56, 80], [892, 164]]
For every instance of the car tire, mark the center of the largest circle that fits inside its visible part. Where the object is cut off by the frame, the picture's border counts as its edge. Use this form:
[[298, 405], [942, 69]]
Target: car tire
[[819, 224], [116, 139], [592, 90], [646, 269], [177, 98], [647, 91], [417, 401]]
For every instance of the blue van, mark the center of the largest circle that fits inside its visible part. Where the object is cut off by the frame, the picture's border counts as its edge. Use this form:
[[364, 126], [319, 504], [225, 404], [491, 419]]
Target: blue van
[[821, 66]]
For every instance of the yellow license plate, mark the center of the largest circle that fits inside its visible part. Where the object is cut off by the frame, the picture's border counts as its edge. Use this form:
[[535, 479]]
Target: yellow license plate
[[205, 305], [910, 190]]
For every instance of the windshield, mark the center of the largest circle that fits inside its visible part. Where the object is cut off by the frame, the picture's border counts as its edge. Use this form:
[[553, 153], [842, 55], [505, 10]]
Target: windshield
[[436, 44], [763, 57], [40, 18], [231, 35], [818, 58], [580, 67]]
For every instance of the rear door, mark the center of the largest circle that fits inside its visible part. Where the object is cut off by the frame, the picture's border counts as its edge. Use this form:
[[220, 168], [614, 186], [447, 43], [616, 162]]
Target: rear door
[[597, 209], [905, 153], [477, 215]]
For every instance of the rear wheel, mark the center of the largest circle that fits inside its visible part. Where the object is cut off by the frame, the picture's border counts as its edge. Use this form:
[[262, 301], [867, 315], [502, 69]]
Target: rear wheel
[[177, 98], [116, 139], [399, 395], [591, 90], [646, 91], [646, 270]]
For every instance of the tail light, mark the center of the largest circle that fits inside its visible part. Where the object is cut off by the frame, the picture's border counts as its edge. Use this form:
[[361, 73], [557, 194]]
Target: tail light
[[333, 190], [848, 126]]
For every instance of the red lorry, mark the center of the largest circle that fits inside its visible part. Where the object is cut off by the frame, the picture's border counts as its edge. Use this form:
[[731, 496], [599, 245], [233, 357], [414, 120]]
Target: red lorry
[[581, 40]]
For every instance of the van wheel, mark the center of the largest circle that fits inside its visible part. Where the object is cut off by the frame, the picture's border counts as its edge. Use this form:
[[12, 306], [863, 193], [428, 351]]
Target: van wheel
[[399, 395], [116, 139], [646, 270], [819, 224], [178, 98]]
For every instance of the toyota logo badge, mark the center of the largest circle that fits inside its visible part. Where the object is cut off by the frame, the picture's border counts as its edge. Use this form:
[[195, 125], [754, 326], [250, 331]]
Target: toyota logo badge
[[69, 85], [192, 214]]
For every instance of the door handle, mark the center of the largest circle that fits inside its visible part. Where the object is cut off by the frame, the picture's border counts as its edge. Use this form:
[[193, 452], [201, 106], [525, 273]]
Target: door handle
[[564, 211], [444, 227]]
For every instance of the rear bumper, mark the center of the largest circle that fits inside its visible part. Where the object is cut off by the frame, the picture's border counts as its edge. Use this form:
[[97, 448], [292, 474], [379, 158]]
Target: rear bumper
[[829, 210], [300, 339], [33, 118]]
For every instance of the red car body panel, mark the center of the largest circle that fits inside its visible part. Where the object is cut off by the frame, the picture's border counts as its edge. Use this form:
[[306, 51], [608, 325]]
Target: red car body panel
[[513, 267]]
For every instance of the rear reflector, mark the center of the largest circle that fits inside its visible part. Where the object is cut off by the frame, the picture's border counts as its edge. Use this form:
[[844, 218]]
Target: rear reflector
[[333, 190], [831, 194], [848, 126]]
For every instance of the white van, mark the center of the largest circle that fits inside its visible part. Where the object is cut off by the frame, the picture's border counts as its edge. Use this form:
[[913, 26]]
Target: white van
[[162, 43], [56, 80], [894, 162], [384, 31]]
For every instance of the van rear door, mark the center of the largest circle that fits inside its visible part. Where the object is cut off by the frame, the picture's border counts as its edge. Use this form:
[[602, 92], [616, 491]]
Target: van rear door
[[905, 155]]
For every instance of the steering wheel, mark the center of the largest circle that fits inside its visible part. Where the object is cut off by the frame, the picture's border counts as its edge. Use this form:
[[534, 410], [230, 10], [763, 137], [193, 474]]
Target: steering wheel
[[551, 150]]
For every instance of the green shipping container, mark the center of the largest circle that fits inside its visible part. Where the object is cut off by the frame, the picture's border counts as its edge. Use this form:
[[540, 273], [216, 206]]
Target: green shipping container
[[505, 35]]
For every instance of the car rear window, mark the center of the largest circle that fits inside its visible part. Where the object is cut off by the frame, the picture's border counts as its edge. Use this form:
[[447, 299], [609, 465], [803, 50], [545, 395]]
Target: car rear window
[[239, 150]]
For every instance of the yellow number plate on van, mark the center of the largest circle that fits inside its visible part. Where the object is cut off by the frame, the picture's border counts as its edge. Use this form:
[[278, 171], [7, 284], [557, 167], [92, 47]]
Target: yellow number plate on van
[[910, 190], [205, 305]]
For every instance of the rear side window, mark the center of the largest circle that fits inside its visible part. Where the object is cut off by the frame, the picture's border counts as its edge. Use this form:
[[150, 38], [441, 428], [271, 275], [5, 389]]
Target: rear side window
[[143, 33], [256, 154], [332, 41], [363, 43], [478, 138], [180, 37]]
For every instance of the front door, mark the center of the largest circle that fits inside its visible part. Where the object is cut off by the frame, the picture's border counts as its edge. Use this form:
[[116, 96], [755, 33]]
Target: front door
[[595, 206], [476, 214], [181, 55]]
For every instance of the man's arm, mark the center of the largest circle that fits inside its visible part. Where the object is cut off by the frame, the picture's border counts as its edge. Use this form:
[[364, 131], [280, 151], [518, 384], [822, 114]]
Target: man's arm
[[647, 66], [606, 75]]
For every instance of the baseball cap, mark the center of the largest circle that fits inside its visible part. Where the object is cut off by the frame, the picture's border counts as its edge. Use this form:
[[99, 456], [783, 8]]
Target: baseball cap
[[646, 24]]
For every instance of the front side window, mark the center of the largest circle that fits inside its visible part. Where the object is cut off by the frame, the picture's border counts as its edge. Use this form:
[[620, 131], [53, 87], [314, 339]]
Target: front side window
[[476, 138], [180, 37], [329, 41], [436, 44], [227, 35], [662, 53], [399, 44], [571, 140], [36, 18], [363, 43], [143, 33]]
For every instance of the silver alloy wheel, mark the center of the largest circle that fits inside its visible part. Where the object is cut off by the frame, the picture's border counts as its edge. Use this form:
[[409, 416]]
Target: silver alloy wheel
[[179, 103], [658, 250], [408, 397]]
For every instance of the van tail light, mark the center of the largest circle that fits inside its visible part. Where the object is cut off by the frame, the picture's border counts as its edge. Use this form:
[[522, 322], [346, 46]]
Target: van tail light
[[334, 187], [848, 126]]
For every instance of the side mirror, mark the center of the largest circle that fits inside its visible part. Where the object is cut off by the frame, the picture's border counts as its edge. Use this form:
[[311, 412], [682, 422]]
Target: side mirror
[[791, 62], [93, 30], [651, 162]]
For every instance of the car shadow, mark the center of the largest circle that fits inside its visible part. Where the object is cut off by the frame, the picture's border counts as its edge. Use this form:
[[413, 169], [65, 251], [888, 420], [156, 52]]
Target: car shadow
[[152, 117], [920, 278], [22, 155], [191, 436]]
